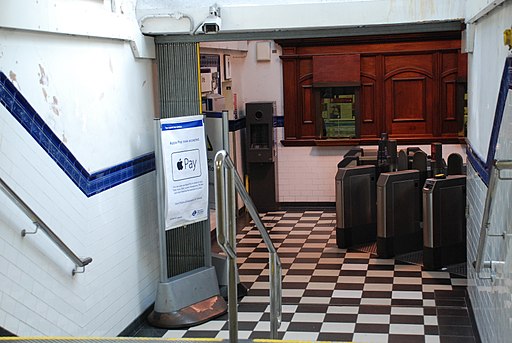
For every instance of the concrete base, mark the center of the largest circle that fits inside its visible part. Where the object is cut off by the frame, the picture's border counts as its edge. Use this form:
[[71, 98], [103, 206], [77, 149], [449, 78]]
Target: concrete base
[[220, 263], [188, 299], [194, 314]]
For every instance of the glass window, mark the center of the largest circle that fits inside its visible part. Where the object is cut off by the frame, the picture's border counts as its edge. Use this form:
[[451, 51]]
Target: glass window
[[338, 112]]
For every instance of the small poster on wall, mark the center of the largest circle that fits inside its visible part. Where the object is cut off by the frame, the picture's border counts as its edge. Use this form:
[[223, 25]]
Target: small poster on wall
[[185, 170]]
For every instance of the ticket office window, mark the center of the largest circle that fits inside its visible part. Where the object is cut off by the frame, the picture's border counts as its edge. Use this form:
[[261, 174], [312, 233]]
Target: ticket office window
[[337, 112]]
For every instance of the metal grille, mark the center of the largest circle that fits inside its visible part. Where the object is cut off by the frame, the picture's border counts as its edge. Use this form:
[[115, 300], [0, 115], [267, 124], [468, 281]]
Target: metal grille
[[367, 247], [187, 248], [178, 76]]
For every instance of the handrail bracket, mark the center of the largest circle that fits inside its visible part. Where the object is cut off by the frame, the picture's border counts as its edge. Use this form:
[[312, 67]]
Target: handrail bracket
[[78, 270], [80, 263], [25, 232]]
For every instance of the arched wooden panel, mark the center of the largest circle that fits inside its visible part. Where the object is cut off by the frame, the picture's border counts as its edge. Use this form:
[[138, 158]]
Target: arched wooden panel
[[409, 98], [409, 92]]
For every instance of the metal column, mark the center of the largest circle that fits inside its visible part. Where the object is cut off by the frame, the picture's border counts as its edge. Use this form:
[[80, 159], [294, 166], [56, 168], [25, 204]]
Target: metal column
[[188, 292]]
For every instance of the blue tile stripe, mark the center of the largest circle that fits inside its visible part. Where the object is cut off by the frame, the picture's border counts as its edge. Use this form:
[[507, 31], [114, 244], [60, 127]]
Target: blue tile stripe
[[483, 168], [90, 184], [477, 164], [506, 79]]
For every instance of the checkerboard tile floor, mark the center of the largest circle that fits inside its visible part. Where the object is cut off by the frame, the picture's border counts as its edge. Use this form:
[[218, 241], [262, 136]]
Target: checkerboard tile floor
[[332, 294]]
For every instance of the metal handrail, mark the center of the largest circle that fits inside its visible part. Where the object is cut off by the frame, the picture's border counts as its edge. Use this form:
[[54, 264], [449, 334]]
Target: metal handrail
[[495, 175], [40, 224], [226, 179]]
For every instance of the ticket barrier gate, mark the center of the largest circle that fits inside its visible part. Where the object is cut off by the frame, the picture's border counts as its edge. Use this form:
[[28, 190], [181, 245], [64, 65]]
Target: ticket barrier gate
[[394, 236], [398, 213], [444, 222], [355, 205]]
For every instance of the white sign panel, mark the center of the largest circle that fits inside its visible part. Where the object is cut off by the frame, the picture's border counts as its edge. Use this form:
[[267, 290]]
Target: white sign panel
[[185, 170]]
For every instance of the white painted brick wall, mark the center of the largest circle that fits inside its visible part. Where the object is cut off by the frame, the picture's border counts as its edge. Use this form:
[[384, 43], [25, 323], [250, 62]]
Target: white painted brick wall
[[307, 174], [105, 97], [116, 228], [491, 301]]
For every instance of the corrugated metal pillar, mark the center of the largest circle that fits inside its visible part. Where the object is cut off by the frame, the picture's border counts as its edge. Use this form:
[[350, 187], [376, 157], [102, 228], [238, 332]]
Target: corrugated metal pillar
[[179, 79], [188, 292], [188, 247]]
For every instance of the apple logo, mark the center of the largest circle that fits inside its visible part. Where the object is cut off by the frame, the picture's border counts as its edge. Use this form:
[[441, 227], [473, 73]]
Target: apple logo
[[179, 165]]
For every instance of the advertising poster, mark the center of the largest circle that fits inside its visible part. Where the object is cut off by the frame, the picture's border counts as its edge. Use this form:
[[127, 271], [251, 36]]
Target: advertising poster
[[185, 170]]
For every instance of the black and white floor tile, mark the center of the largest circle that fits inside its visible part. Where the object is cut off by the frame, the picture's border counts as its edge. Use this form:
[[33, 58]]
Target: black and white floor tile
[[332, 294]]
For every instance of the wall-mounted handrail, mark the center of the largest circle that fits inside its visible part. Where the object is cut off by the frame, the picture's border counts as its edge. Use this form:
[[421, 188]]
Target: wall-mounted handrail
[[226, 179], [495, 175], [40, 224]]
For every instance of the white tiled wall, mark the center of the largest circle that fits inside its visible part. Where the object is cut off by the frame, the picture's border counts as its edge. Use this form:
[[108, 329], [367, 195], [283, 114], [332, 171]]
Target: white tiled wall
[[491, 300], [117, 228], [82, 87], [307, 174], [105, 104]]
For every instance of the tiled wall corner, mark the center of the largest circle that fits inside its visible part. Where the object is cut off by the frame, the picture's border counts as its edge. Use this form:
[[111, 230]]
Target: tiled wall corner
[[491, 300], [40, 297], [16, 104], [116, 227]]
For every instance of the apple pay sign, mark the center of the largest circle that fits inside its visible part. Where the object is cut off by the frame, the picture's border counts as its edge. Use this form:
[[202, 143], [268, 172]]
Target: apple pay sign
[[185, 165]]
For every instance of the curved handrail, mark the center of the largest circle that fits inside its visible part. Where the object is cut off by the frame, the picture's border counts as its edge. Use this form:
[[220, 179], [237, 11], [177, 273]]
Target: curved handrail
[[226, 179], [40, 224]]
